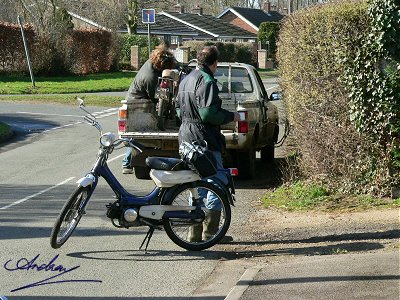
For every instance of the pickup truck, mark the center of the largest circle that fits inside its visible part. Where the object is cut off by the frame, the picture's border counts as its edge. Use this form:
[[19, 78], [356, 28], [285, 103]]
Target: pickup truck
[[240, 89]]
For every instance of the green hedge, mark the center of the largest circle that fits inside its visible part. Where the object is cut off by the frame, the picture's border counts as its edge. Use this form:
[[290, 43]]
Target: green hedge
[[230, 52], [373, 80], [268, 32], [126, 41], [340, 91]]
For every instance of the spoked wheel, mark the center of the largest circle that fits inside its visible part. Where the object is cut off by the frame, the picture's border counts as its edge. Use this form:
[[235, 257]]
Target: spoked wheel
[[202, 234], [161, 115], [69, 217]]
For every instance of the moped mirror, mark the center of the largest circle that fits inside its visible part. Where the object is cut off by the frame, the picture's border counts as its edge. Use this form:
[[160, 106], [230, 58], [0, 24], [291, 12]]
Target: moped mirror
[[275, 96], [81, 102]]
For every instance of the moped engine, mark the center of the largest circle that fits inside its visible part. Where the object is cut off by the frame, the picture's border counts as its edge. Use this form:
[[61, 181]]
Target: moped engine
[[130, 215]]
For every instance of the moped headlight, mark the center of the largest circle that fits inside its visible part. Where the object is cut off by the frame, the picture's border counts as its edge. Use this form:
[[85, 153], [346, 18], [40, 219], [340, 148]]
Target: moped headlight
[[107, 139]]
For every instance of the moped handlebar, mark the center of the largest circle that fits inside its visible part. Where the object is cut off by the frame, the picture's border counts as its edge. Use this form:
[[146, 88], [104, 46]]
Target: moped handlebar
[[132, 143]]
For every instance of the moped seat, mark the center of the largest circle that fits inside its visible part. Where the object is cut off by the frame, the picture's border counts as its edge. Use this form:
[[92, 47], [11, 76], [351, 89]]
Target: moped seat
[[166, 163]]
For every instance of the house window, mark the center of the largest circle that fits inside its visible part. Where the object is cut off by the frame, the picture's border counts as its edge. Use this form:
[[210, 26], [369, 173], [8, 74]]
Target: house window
[[239, 40], [174, 40]]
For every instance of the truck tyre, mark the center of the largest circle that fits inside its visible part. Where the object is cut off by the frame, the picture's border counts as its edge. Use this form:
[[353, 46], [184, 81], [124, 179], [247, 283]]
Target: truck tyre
[[247, 163], [142, 172], [268, 154]]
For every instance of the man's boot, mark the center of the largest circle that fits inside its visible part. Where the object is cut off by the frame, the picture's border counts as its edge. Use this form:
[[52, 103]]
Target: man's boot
[[195, 231], [211, 224]]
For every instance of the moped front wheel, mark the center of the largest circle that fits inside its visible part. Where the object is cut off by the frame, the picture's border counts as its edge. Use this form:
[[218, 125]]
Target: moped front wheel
[[196, 235], [70, 216]]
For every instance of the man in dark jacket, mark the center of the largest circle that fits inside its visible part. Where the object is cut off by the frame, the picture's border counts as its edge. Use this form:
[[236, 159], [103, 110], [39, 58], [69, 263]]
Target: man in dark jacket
[[144, 87], [199, 108]]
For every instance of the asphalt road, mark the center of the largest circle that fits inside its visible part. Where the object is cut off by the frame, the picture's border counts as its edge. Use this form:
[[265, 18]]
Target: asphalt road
[[39, 168], [38, 172], [52, 149]]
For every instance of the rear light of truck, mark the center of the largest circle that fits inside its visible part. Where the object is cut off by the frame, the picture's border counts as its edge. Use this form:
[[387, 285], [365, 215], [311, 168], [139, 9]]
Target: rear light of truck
[[243, 124], [122, 114], [234, 171]]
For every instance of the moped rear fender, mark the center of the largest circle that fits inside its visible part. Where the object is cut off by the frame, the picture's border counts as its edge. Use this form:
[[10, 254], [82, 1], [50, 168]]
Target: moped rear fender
[[224, 189], [89, 179]]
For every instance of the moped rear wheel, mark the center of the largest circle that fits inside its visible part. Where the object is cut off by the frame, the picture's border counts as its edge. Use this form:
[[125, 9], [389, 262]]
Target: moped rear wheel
[[201, 234], [70, 216]]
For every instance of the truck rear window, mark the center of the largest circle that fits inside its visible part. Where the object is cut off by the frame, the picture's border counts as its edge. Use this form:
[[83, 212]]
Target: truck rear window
[[240, 80]]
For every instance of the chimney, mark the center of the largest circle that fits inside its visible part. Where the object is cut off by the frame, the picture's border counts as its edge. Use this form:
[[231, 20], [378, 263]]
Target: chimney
[[179, 8], [267, 7], [198, 10]]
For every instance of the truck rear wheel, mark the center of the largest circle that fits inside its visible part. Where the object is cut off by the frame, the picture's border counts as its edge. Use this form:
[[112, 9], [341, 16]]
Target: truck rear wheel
[[142, 172], [247, 163], [268, 154]]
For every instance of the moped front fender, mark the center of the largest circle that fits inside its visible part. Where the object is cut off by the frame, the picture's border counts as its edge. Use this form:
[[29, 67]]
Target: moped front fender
[[89, 179]]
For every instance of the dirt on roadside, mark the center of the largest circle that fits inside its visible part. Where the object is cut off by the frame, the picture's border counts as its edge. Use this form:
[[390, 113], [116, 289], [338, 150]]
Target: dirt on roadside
[[269, 233]]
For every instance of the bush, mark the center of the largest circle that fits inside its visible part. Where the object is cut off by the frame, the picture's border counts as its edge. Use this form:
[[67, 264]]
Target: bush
[[317, 103], [127, 41], [77, 52], [229, 52], [12, 54], [89, 51], [340, 75], [268, 32], [373, 82]]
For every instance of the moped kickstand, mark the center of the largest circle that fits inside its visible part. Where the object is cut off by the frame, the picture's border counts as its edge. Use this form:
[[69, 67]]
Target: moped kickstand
[[148, 237]]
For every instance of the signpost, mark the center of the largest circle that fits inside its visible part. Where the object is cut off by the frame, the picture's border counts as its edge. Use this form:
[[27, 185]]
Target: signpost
[[148, 17], [28, 59]]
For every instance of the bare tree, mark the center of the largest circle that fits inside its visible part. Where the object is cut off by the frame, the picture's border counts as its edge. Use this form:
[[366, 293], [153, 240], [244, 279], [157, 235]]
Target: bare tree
[[10, 10]]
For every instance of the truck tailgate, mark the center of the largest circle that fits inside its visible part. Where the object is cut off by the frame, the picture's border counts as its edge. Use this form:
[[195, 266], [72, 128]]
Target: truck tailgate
[[160, 140]]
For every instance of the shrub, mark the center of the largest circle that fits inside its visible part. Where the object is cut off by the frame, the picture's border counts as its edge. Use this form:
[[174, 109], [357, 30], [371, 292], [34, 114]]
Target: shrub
[[12, 55], [317, 104], [78, 51], [128, 40], [230, 52], [339, 66], [268, 32], [89, 51], [373, 82]]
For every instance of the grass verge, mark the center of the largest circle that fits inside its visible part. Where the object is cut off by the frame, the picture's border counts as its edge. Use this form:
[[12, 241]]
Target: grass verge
[[308, 196], [70, 99], [268, 73], [104, 82]]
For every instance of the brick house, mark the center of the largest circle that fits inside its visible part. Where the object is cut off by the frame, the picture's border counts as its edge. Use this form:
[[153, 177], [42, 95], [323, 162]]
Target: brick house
[[250, 18]]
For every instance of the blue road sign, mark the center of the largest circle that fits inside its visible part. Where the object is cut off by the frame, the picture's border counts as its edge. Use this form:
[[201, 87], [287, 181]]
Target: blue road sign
[[148, 16]]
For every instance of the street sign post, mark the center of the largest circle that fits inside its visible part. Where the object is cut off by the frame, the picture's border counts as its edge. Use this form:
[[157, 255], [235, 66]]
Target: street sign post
[[148, 17]]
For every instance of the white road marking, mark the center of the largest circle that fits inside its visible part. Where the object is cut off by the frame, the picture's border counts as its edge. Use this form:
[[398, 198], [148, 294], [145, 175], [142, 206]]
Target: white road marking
[[114, 158], [272, 87], [43, 114], [243, 283], [59, 127], [99, 115], [50, 188], [106, 115], [37, 194]]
